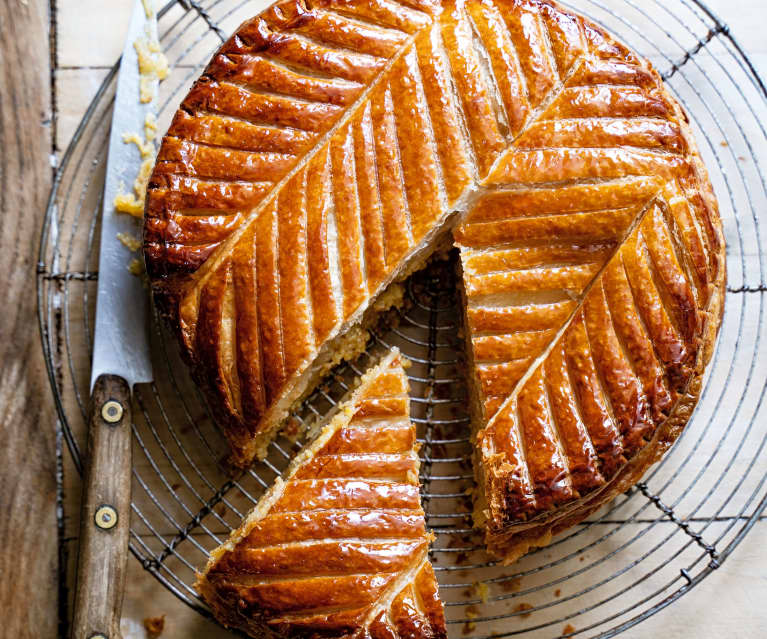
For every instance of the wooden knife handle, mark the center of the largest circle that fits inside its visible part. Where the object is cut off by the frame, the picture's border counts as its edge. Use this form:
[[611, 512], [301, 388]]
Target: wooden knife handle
[[105, 514]]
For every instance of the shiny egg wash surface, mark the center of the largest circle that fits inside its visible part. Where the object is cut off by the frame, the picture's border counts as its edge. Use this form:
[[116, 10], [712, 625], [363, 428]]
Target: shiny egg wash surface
[[340, 546], [328, 150]]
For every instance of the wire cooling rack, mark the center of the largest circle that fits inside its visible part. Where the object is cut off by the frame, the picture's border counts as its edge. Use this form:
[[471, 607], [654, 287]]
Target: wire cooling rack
[[633, 558]]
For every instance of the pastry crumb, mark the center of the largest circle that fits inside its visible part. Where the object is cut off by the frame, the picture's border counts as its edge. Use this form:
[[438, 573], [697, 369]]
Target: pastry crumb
[[481, 589], [133, 204], [127, 203], [154, 626], [146, 92], [523, 606], [568, 629], [148, 65], [512, 585], [152, 65], [136, 267], [146, 148], [292, 430], [131, 242], [150, 127], [470, 626]]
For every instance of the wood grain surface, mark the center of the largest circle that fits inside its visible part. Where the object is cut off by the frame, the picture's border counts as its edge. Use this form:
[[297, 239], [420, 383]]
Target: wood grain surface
[[28, 553]]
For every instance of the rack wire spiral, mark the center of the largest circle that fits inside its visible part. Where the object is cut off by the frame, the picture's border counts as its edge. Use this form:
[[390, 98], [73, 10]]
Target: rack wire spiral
[[633, 558]]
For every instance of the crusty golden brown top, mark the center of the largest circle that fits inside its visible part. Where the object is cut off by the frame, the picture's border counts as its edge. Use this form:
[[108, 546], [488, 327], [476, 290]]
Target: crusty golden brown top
[[287, 192], [339, 548], [593, 267], [328, 141]]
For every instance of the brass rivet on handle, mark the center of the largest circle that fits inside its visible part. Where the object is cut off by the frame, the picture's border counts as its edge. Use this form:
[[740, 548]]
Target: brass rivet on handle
[[112, 411], [106, 517]]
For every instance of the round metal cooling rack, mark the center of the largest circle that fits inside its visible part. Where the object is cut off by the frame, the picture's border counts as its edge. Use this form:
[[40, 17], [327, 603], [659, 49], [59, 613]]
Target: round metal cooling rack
[[637, 555]]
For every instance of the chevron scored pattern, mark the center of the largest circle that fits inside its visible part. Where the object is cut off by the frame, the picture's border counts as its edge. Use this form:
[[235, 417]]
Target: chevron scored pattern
[[340, 545], [328, 148]]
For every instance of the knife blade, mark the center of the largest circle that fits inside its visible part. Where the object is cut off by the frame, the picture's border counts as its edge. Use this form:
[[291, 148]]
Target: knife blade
[[121, 358], [121, 344]]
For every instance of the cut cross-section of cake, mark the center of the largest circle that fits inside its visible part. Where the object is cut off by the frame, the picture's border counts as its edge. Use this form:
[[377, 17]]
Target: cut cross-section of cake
[[338, 546]]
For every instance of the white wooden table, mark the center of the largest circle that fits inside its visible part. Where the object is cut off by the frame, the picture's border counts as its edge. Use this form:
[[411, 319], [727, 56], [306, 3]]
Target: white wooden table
[[731, 603]]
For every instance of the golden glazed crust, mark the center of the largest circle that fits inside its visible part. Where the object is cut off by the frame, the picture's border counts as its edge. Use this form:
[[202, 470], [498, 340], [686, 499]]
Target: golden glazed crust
[[328, 146], [338, 547], [286, 199], [592, 303]]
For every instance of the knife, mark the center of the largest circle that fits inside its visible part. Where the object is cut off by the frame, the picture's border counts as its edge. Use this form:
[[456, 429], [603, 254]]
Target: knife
[[120, 360]]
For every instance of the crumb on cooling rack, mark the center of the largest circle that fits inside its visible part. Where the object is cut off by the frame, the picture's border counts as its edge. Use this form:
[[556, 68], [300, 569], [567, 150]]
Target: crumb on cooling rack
[[511, 585], [481, 590], [154, 626], [469, 626], [292, 430], [523, 606]]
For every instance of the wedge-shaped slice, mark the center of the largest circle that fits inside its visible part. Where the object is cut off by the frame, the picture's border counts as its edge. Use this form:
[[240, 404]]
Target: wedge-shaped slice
[[338, 546]]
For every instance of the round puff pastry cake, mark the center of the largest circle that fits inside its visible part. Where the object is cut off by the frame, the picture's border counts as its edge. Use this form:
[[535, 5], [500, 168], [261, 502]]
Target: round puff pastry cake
[[332, 146], [338, 546]]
